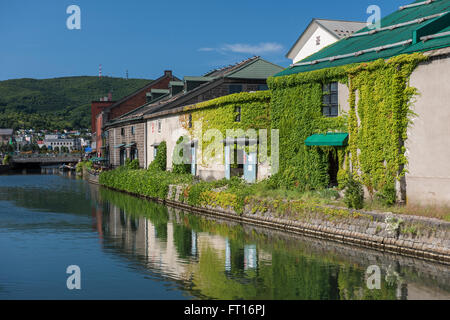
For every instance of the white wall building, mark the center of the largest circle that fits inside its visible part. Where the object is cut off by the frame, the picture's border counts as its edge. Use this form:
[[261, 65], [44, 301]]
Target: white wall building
[[71, 144], [319, 34]]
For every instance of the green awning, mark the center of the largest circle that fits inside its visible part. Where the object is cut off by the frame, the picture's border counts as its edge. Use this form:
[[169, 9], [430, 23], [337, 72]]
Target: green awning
[[329, 139], [130, 145], [119, 146]]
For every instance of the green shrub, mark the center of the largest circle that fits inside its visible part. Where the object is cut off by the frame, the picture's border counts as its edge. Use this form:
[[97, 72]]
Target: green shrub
[[152, 183], [6, 159], [388, 195], [83, 164], [183, 167], [160, 161], [133, 165], [354, 193]]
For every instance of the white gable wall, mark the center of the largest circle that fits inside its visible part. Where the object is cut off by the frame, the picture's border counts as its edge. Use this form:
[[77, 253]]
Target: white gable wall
[[307, 46]]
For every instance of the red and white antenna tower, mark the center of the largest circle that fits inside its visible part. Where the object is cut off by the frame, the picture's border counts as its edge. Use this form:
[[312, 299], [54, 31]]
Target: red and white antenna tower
[[100, 71]]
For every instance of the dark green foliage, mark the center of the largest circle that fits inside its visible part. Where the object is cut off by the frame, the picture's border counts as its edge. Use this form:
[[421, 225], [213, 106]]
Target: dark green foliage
[[354, 194], [388, 195], [60, 103], [160, 161]]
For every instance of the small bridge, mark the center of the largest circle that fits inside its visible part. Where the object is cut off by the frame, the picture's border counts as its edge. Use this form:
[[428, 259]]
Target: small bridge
[[44, 160]]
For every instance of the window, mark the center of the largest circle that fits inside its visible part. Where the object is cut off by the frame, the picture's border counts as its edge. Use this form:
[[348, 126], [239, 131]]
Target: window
[[238, 116], [190, 121], [318, 41], [263, 87], [235, 88], [330, 104], [159, 126], [132, 130], [122, 131]]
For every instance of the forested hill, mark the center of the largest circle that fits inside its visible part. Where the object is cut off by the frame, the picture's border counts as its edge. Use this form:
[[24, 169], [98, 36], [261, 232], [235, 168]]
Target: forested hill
[[59, 103]]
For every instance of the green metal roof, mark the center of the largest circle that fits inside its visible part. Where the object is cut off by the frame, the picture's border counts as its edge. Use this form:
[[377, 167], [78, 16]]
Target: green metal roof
[[354, 44], [130, 145], [203, 79], [259, 69], [329, 139], [159, 91]]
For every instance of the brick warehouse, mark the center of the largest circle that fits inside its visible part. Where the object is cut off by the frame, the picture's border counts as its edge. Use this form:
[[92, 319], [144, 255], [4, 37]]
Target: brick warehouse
[[107, 110], [246, 76]]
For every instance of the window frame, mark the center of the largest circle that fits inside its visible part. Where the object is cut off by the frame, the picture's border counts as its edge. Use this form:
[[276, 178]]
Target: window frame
[[159, 126], [330, 92]]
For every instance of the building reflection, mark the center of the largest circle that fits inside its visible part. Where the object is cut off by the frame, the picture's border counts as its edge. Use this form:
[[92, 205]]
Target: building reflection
[[170, 247], [216, 260]]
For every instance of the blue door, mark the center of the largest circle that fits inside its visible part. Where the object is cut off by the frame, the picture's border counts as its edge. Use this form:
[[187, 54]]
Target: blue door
[[250, 167], [193, 161], [227, 162]]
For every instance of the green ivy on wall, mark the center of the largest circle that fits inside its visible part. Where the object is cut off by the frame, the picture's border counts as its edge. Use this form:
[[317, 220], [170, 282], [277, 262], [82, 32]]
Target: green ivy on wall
[[220, 114], [380, 118], [296, 110], [379, 99]]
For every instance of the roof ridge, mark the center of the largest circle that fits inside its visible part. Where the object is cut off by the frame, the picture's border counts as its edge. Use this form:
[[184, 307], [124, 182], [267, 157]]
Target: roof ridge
[[231, 66], [350, 21]]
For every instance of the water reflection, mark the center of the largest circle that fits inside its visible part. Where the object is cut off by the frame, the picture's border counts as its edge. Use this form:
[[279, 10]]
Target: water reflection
[[223, 260], [133, 248]]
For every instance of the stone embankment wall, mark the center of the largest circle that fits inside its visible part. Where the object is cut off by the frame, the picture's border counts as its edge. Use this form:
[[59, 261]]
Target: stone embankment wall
[[90, 176], [413, 236]]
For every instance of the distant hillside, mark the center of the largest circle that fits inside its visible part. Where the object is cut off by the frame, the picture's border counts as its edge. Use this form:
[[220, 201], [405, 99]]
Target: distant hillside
[[59, 103]]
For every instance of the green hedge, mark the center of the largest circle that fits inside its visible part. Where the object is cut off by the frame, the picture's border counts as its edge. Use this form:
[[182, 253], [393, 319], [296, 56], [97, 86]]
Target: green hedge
[[152, 183]]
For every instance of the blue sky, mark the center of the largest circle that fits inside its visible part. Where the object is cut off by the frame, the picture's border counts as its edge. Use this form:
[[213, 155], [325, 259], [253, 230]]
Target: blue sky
[[146, 37]]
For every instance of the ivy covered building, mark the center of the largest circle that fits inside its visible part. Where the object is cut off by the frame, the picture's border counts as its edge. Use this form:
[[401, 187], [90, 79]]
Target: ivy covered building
[[228, 97], [376, 104]]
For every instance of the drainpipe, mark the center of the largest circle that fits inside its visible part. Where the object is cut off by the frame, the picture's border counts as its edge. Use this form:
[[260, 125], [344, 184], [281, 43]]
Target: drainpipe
[[145, 144]]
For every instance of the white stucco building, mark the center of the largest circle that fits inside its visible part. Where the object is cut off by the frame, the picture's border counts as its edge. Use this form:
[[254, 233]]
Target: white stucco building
[[319, 34]]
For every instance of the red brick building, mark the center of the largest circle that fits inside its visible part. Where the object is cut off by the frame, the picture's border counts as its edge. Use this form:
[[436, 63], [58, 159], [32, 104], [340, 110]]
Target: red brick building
[[104, 111]]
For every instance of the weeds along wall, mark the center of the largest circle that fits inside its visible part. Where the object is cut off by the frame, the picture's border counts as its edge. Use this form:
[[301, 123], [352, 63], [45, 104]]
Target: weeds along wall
[[221, 114], [380, 99]]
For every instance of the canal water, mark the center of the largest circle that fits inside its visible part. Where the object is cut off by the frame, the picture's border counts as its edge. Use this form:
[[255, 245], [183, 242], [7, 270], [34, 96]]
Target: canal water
[[129, 248]]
